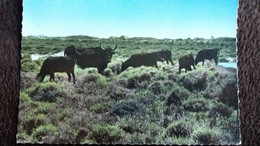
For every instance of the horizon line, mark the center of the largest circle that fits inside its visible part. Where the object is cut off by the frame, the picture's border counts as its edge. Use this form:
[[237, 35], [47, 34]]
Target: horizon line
[[127, 37]]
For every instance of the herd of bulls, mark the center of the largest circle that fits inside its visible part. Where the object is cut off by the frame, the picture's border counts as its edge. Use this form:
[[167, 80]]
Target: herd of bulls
[[99, 57]]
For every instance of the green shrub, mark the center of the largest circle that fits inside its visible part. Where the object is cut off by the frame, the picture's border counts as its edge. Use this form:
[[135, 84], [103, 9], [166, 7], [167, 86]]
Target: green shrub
[[230, 128], [212, 72], [34, 114], [153, 128], [179, 129], [45, 92], [156, 87], [106, 133], [45, 107], [98, 108], [174, 77], [131, 124], [108, 72], [169, 86], [196, 106], [66, 134], [80, 71], [115, 67], [28, 79], [62, 114], [197, 103], [28, 65], [176, 97], [180, 141], [138, 81], [25, 98], [31, 121], [141, 77], [195, 81], [44, 130], [206, 136], [126, 108], [155, 110], [117, 92], [175, 111], [138, 138], [83, 134], [229, 93], [220, 109], [87, 141], [96, 78], [22, 135], [144, 95]]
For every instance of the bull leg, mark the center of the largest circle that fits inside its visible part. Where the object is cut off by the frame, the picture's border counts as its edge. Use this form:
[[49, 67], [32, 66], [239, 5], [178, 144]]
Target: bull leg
[[179, 70], [100, 71], [202, 62], [52, 76], [216, 60], [69, 76], [101, 68], [171, 61], [193, 66], [73, 75], [186, 69], [189, 69]]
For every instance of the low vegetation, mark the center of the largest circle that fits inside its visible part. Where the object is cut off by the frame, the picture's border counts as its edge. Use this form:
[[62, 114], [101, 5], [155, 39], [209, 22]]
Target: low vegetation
[[143, 105]]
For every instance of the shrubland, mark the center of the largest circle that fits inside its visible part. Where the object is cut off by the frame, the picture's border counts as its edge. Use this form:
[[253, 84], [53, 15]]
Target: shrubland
[[143, 105]]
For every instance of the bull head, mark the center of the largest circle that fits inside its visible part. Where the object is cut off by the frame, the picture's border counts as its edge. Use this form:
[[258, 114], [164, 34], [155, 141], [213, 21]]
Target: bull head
[[105, 49], [39, 77]]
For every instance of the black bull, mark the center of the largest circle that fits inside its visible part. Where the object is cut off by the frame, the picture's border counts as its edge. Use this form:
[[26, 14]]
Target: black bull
[[146, 59], [207, 54], [97, 57], [56, 64], [165, 55], [186, 62]]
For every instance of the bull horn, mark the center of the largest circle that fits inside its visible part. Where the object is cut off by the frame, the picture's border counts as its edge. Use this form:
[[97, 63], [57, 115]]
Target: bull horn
[[101, 47], [115, 47], [77, 52]]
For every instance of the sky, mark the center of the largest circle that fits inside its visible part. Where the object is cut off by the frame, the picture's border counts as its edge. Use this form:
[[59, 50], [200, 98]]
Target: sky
[[132, 18]]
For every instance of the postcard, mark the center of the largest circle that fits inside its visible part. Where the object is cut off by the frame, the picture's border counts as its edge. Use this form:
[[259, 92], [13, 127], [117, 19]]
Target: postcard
[[129, 72]]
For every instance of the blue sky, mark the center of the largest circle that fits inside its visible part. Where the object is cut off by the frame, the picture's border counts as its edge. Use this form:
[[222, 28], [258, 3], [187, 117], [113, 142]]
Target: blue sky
[[132, 18]]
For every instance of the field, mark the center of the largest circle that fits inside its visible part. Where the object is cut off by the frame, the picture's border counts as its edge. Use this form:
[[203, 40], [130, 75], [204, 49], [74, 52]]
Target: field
[[143, 105]]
